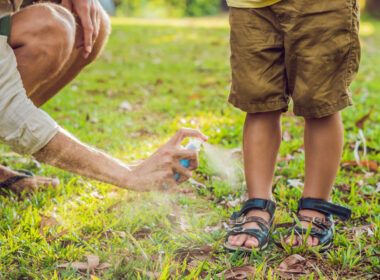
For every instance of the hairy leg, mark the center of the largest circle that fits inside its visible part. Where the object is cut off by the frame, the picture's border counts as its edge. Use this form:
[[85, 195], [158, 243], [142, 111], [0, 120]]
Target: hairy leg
[[323, 150], [45, 48], [43, 37], [261, 142]]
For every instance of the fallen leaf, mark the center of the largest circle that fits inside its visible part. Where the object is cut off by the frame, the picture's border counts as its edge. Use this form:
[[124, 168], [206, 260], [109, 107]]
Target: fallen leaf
[[150, 274], [238, 273], [371, 165], [172, 218], [159, 81], [125, 106], [295, 183], [77, 265], [47, 221], [103, 266], [286, 136], [197, 184], [206, 248], [93, 261], [294, 264], [195, 96], [92, 264], [51, 238], [360, 122]]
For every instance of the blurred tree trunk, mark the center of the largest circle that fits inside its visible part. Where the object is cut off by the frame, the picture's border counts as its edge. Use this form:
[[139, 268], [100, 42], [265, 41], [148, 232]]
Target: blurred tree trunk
[[373, 7], [223, 5]]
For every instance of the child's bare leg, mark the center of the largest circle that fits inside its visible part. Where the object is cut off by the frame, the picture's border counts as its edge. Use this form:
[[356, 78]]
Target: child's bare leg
[[323, 150], [261, 141]]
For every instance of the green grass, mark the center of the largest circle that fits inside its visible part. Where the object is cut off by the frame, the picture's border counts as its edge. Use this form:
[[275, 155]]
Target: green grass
[[175, 74]]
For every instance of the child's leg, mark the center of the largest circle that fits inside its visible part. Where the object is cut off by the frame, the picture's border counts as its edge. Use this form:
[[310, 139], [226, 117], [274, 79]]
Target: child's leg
[[323, 150], [261, 141]]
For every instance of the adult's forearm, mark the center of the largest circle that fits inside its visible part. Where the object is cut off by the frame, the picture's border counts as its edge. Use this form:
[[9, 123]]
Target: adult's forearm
[[68, 153]]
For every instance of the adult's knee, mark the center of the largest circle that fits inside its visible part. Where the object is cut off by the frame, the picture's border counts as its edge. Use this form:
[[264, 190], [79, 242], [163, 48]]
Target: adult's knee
[[48, 32]]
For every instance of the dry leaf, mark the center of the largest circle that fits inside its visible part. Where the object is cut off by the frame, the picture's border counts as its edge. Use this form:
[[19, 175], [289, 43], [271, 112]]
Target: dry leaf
[[151, 274], [197, 184], [172, 218], [286, 136], [125, 106], [47, 221], [206, 248], [238, 273], [51, 238], [294, 264], [371, 165], [104, 266], [77, 265], [360, 122], [93, 261], [195, 96]]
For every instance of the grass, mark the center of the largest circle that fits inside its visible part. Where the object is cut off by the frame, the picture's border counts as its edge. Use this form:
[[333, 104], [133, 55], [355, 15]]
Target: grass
[[177, 75]]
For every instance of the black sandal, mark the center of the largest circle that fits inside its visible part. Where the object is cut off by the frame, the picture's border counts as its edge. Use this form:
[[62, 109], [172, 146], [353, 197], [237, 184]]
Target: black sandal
[[239, 219], [10, 181], [325, 234]]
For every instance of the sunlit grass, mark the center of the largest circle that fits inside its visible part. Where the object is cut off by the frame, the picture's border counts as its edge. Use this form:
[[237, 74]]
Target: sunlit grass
[[176, 73]]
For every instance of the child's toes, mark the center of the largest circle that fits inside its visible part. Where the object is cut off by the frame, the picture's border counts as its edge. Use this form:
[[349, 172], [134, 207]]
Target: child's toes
[[315, 241], [240, 240], [231, 239], [309, 241], [251, 242], [294, 243]]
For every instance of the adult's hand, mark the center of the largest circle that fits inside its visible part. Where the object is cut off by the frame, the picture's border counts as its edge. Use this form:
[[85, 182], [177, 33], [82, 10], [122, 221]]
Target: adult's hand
[[88, 12], [158, 170]]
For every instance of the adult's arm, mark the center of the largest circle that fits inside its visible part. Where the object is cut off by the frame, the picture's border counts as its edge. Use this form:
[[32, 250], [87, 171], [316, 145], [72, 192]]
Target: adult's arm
[[66, 152], [29, 130]]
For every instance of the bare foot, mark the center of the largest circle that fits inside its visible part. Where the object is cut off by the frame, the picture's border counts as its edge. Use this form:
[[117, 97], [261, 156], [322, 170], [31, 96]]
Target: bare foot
[[246, 239], [310, 241], [29, 184]]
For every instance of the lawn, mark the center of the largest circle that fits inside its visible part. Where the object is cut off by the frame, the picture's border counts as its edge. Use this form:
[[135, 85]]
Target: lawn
[[154, 77]]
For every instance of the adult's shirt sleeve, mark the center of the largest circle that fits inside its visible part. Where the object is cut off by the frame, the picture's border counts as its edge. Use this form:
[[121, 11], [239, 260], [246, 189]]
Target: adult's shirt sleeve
[[23, 127]]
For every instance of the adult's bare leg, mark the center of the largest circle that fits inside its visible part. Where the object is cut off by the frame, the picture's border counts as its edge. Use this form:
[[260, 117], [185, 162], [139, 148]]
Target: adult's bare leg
[[43, 37], [57, 68]]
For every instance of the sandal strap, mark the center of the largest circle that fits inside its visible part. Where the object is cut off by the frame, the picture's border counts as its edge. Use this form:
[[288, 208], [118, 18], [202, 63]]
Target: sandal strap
[[239, 221], [317, 221], [324, 207], [9, 182], [261, 235], [256, 203]]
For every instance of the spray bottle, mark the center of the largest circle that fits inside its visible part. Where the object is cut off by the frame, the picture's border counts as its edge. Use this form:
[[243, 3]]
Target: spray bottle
[[194, 144]]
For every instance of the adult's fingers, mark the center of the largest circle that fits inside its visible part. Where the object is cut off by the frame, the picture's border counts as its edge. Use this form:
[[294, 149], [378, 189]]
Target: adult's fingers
[[183, 132], [182, 171], [190, 155], [88, 28], [95, 21], [67, 4]]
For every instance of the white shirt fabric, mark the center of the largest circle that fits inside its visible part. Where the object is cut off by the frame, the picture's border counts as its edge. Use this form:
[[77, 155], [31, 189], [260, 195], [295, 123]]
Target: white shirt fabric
[[9, 6], [23, 127]]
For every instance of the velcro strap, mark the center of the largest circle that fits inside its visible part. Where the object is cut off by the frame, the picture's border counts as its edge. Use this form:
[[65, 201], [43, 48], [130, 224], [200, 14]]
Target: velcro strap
[[256, 203], [317, 221], [324, 207], [251, 219]]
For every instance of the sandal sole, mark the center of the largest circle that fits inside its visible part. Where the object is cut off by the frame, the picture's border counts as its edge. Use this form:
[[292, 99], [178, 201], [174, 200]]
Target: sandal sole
[[232, 248]]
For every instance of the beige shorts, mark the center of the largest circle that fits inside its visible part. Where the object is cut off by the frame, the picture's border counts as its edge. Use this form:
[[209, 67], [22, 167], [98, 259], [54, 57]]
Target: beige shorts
[[304, 50]]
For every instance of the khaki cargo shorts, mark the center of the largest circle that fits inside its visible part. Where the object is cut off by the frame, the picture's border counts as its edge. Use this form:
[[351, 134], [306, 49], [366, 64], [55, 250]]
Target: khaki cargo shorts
[[304, 50]]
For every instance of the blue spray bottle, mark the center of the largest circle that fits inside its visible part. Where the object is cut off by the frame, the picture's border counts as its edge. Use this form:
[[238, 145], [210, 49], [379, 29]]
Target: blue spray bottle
[[194, 144]]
